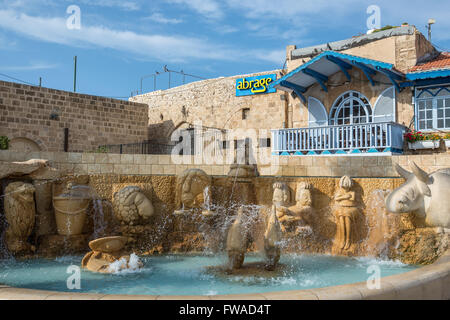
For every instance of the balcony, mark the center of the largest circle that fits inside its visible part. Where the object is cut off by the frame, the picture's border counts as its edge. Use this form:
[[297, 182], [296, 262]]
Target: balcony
[[358, 139]]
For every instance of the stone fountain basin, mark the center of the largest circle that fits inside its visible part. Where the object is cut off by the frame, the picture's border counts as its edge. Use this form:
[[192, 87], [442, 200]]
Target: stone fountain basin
[[429, 282]]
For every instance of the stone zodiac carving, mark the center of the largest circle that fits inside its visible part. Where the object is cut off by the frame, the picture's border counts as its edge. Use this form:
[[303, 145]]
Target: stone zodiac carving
[[108, 256], [280, 200], [20, 214], [428, 195], [345, 212], [131, 206], [190, 190]]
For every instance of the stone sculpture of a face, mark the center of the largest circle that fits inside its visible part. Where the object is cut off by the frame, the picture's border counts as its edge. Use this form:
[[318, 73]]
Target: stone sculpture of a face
[[190, 188], [303, 195], [281, 194]]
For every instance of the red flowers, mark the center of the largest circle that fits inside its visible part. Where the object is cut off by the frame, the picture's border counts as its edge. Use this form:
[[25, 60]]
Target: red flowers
[[414, 136]]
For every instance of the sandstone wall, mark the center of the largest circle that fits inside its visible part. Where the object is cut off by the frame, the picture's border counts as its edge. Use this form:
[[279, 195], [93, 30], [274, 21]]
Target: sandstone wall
[[214, 103], [278, 166], [92, 121]]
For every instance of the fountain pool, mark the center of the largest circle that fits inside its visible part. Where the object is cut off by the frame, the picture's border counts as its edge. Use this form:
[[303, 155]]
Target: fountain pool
[[189, 275]]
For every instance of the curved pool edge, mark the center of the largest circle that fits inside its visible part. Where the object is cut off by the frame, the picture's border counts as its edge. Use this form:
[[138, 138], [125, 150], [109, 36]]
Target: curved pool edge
[[426, 283]]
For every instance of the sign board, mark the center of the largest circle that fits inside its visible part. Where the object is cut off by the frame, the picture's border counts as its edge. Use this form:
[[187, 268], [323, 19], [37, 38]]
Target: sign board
[[255, 85]]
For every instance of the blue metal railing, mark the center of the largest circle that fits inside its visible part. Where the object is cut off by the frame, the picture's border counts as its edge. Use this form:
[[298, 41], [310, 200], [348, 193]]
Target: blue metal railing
[[362, 137]]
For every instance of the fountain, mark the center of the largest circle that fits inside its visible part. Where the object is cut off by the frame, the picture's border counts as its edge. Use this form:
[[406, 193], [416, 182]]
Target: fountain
[[108, 256], [240, 232]]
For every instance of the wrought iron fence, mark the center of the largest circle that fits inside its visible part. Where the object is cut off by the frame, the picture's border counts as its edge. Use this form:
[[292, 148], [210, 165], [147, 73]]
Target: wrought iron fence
[[145, 147]]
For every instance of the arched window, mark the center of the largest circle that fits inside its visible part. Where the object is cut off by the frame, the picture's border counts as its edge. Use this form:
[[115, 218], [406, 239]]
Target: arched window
[[351, 107]]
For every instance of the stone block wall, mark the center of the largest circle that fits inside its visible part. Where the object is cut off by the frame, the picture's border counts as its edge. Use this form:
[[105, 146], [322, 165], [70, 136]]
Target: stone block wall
[[26, 117], [214, 104], [277, 166]]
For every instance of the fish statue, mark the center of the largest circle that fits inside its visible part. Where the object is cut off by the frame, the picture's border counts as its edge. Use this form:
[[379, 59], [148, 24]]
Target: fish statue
[[272, 239], [237, 242]]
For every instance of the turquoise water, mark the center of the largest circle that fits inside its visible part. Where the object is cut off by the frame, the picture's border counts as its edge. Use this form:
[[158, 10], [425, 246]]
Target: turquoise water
[[186, 275]]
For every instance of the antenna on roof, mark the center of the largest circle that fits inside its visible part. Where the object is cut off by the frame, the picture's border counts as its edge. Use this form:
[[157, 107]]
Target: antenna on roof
[[428, 26]]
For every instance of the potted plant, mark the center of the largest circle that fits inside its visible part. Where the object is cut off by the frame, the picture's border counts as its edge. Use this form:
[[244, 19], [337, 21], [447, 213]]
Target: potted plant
[[447, 140], [418, 140]]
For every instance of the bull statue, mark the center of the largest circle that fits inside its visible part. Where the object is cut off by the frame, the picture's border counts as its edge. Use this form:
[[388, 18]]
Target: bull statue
[[427, 195]]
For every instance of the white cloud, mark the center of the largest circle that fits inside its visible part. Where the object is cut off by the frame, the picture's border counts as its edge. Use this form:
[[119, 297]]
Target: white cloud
[[158, 17], [149, 46], [288, 9], [35, 66], [208, 8], [125, 5], [275, 56]]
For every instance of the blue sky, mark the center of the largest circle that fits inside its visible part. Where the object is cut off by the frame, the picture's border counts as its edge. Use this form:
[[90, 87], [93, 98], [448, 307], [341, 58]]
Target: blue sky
[[120, 41]]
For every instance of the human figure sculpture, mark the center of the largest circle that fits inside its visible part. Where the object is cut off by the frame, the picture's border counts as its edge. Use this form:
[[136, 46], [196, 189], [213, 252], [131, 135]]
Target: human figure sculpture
[[302, 212], [272, 239], [132, 207], [20, 214], [345, 212], [280, 200], [108, 256], [237, 241], [190, 191]]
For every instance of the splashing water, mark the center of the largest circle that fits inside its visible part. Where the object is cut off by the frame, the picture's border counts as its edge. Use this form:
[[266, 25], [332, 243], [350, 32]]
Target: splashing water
[[382, 226], [207, 198], [97, 203], [122, 266]]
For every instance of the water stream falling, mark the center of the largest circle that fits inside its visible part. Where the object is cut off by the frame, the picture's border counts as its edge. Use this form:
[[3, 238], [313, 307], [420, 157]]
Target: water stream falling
[[84, 191], [382, 226]]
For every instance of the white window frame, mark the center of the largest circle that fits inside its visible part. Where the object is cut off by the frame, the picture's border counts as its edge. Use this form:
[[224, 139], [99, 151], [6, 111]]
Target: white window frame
[[434, 108], [336, 108]]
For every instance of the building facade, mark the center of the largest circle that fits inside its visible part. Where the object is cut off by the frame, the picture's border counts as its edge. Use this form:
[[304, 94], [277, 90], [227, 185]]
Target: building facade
[[354, 96]]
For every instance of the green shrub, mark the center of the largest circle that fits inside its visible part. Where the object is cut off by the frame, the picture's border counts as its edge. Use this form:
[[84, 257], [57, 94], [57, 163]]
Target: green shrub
[[101, 150], [4, 143], [387, 27]]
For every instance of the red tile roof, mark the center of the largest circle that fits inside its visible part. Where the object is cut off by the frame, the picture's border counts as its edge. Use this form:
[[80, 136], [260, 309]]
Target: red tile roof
[[442, 61]]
